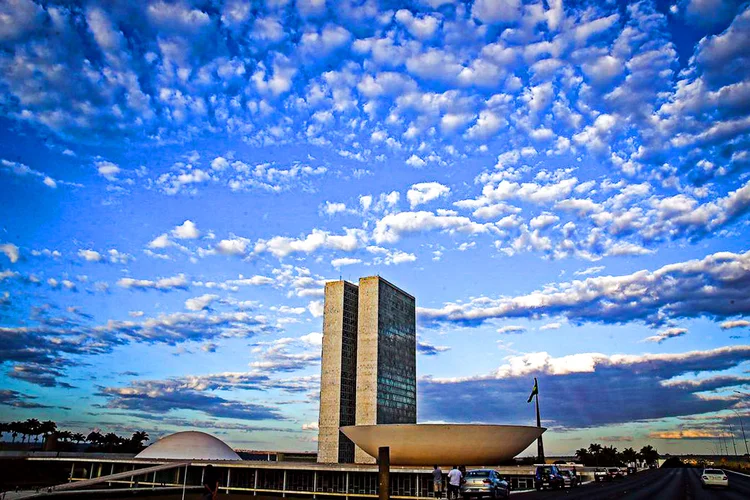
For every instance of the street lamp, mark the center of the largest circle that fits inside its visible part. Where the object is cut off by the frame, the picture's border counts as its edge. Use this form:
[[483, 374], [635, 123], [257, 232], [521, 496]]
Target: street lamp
[[742, 426], [734, 444]]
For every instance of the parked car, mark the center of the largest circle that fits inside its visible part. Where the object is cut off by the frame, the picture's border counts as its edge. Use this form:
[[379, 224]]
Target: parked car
[[570, 479], [714, 477], [601, 475], [484, 483], [615, 472], [548, 476], [632, 469]]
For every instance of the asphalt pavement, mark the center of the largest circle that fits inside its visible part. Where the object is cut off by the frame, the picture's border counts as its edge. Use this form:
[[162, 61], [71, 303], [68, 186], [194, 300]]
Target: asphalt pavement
[[666, 484]]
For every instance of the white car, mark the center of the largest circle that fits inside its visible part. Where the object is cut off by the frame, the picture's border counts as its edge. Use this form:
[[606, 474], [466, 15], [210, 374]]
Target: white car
[[714, 477]]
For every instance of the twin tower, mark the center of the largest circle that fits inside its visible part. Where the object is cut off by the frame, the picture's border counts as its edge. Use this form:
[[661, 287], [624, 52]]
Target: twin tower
[[368, 370]]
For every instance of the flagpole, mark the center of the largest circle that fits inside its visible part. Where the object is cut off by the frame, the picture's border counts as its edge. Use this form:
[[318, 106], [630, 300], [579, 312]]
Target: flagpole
[[539, 444]]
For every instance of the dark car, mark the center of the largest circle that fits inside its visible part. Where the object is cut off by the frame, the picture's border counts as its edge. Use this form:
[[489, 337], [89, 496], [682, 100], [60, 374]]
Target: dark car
[[615, 472], [570, 478], [484, 483], [548, 476], [601, 475]]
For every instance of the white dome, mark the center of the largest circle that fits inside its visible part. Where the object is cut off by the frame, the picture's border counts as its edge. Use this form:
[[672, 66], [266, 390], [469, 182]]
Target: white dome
[[189, 445]]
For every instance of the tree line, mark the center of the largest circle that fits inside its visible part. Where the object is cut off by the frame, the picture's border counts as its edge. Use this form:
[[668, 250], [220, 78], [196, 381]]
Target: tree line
[[52, 437], [596, 455]]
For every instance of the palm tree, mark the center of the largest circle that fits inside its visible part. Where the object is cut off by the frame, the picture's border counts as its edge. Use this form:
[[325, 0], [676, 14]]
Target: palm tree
[[65, 435], [650, 455], [629, 455], [15, 428], [111, 440], [138, 438], [95, 438], [46, 428], [32, 428], [595, 449], [583, 455], [78, 437], [23, 430]]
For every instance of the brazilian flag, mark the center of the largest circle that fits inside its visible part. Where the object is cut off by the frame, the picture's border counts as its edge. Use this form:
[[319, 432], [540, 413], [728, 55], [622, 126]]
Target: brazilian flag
[[534, 391]]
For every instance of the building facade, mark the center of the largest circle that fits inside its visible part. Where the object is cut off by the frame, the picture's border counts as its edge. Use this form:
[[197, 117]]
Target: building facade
[[338, 378], [386, 357], [368, 371]]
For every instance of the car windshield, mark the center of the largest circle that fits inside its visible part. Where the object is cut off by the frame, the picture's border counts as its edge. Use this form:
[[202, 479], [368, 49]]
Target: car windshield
[[713, 472], [478, 473]]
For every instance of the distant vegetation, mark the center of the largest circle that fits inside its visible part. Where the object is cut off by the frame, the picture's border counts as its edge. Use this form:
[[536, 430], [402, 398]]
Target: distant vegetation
[[597, 454], [54, 439]]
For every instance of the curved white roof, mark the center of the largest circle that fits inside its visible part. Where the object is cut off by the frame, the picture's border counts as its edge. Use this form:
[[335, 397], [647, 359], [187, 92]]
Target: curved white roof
[[189, 445], [427, 444]]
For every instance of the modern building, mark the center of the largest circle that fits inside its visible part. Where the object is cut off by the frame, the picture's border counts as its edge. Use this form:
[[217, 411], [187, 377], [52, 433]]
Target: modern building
[[338, 378], [368, 372]]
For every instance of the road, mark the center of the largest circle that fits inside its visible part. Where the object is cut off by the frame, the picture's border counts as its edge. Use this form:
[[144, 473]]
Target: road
[[664, 484]]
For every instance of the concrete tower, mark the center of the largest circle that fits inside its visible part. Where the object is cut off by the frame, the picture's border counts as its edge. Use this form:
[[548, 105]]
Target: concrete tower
[[338, 376], [368, 369], [386, 357]]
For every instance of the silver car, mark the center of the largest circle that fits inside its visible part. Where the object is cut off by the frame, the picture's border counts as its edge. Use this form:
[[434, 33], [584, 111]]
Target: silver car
[[484, 483]]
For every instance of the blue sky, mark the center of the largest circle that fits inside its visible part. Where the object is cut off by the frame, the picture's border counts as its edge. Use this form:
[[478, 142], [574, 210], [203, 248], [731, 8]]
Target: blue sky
[[562, 185]]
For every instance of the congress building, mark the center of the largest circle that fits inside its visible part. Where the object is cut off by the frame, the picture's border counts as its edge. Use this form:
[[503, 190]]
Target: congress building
[[368, 370]]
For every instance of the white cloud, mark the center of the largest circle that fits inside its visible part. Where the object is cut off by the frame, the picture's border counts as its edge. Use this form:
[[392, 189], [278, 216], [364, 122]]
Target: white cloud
[[200, 303], [219, 163], [316, 308], [281, 246], [669, 333], [344, 261], [174, 282], [709, 287], [416, 162], [392, 227], [11, 251], [365, 202], [425, 192], [161, 241], [186, 231], [314, 338], [399, 257], [511, 329], [234, 246], [494, 11], [90, 255], [108, 170], [334, 208], [738, 323], [550, 326], [589, 271], [312, 426]]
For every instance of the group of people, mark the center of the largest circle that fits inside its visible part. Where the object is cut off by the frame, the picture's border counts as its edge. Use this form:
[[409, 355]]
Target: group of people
[[455, 479]]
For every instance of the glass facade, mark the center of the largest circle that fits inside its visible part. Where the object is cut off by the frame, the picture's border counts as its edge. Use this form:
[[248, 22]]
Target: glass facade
[[348, 370], [397, 370]]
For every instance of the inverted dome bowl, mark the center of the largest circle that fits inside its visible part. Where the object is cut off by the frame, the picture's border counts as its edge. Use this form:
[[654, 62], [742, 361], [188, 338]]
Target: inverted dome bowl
[[444, 444]]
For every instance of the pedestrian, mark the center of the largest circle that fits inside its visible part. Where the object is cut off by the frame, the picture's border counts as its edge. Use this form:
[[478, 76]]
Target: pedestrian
[[437, 481], [210, 484], [454, 483]]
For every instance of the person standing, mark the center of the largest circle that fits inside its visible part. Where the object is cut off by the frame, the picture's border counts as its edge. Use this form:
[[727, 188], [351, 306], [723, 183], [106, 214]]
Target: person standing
[[437, 481], [454, 483], [210, 483]]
